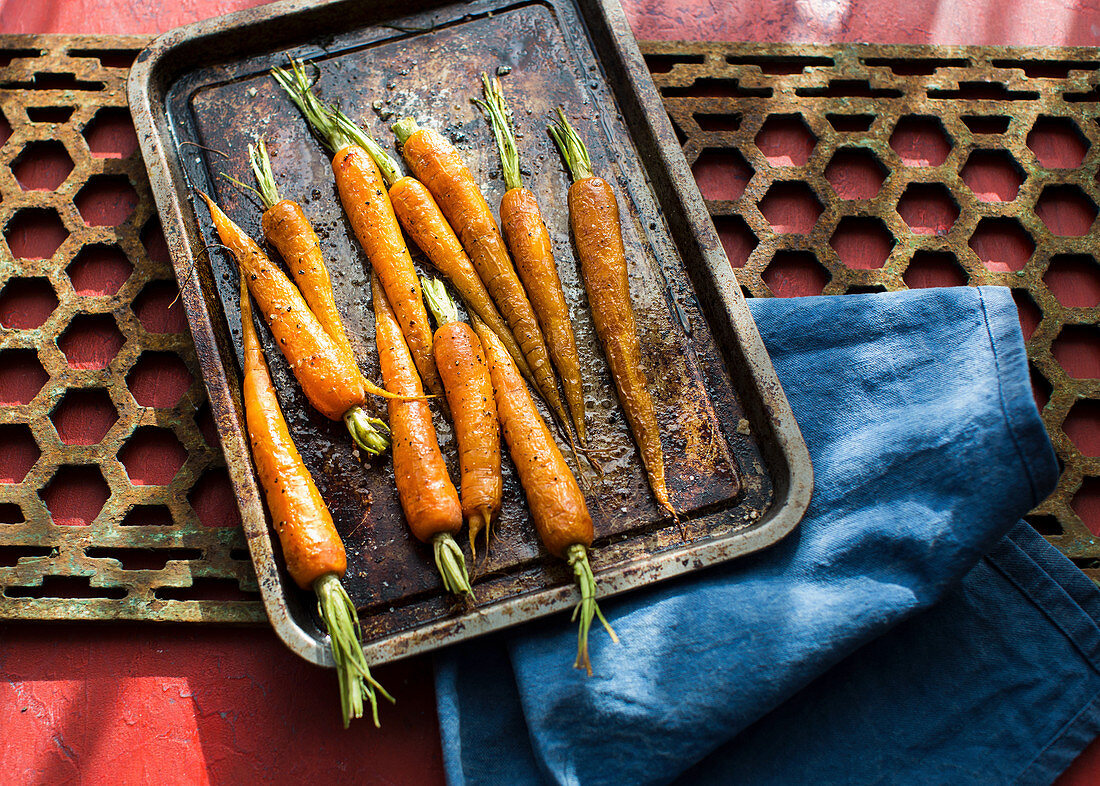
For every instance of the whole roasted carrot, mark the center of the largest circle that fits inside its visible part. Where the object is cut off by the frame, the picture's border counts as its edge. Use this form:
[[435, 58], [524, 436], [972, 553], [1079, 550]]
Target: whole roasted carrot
[[555, 500], [314, 553], [594, 215], [529, 242], [461, 364], [427, 495], [363, 195], [425, 223], [329, 377], [439, 166]]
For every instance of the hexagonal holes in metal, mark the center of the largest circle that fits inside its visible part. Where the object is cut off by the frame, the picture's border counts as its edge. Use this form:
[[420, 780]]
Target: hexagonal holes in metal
[[18, 452], [91, 341], [35, 233], [795, 273], [721, 174], [106, 200], [738, 240], [159, 309], [99, 270], [791, 207], [1002, 244], [1074, 279], [1086, 503], [26, 303], [152, 456], [993, 175], [1066, 210], [84, 416], [213, 499], [42, 165], [1028, 312], [110, 134], [921, 141], [1057, 142], [1077, 350], [786, 140], [934, 269], [855, 173], [862, 242], [928, 208], [1082, 426], [75, 494], [21, 376], [158, 379]]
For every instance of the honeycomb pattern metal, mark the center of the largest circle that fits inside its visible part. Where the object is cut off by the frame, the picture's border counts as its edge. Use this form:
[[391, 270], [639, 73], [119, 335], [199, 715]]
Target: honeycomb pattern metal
[[826, 168], [108, 520], [855, 168]]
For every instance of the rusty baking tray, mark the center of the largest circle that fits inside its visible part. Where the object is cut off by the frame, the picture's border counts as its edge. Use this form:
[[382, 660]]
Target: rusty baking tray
[[736, 461]]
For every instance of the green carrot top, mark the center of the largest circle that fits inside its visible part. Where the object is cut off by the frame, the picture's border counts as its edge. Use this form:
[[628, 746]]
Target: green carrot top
[[496, 108], [572, 147]]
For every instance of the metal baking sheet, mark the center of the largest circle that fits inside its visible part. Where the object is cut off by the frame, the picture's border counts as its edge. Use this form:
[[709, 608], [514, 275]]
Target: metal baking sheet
[[737, 466]]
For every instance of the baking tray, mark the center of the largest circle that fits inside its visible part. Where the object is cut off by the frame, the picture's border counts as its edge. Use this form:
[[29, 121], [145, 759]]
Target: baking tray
[[737, 465]]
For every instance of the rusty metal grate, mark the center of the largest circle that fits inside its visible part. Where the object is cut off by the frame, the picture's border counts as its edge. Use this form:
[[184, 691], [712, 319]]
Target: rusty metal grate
[[826, 168], [855, 168], [113, 490]]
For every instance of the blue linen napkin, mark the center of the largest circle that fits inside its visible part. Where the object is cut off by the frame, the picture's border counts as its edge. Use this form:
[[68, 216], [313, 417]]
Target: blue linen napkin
[[871, 645]]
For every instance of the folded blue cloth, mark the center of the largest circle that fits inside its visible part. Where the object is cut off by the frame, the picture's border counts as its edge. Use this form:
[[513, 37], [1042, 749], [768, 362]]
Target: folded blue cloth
[[873, 644]]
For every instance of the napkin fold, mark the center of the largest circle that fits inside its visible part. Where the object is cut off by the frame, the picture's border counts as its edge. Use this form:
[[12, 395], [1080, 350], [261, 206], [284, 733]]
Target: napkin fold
[[873, 644]]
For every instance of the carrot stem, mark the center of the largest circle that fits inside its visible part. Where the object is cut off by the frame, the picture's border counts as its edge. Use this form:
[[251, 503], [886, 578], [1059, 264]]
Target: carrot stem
[[404, 128], [496, 108], [370, 433], [353, 672], [442, 307], [577, 557], [451, 564], [300, 89], [356, 135], [572, 147], [265, 177]]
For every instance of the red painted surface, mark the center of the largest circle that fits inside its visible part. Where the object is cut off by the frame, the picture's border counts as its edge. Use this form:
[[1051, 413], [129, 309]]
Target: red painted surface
[[138, 704]]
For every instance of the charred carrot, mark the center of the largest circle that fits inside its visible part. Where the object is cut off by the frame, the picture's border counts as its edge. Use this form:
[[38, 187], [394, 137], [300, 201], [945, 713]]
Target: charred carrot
[[461, 364], [314, 553], [286, 227], [363, 195], [438, 165], [421, 218], [528, 240], [555, 500], [594, 215], [329, 377], [427, 495]]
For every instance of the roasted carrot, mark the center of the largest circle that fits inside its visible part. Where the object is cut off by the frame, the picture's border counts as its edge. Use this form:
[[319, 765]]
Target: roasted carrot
[[427, 495], [439, 166], [314, 553], [461, 364], [529, 241], [363, 195], [425, 223], [594, 215], [329, 377], [555, 500]]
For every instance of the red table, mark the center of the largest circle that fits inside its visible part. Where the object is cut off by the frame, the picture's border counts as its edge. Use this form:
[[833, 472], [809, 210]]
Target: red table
[[127, 703]]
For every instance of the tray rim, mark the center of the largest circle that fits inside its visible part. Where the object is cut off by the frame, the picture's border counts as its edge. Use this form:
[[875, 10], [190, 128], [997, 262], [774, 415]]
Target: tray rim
[[792, 489]]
